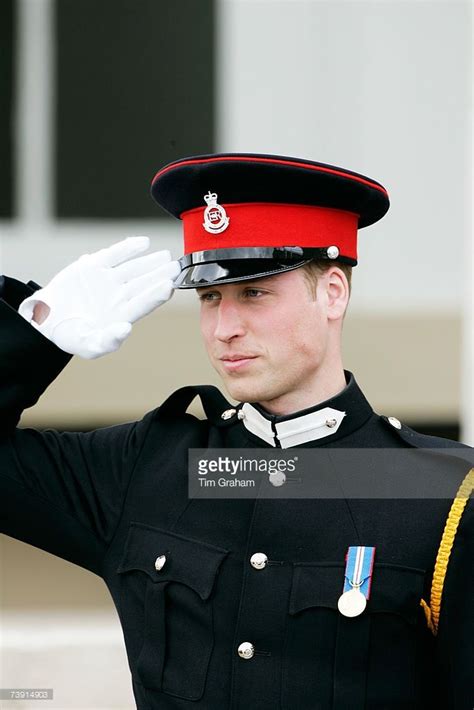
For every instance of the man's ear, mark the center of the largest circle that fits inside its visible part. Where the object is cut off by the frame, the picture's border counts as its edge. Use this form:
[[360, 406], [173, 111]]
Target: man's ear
[[337, 293]]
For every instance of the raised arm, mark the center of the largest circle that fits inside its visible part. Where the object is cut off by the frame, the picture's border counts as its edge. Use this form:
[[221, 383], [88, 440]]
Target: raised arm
[[29, 361], [63, 491]]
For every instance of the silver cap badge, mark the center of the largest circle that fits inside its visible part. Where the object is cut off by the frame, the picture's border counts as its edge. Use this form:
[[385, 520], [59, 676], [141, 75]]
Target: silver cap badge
[[215, 217]]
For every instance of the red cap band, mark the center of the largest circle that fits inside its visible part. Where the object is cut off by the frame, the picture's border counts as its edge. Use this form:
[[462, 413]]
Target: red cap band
[[274, 225]]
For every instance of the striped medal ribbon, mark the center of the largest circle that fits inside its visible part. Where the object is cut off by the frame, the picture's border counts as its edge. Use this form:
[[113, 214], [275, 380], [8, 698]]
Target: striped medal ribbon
[[357, 580]]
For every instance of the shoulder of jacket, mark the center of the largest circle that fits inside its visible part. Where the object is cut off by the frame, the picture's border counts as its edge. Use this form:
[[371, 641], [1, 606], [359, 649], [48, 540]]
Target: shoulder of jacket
[[413, 438], [213, 402]]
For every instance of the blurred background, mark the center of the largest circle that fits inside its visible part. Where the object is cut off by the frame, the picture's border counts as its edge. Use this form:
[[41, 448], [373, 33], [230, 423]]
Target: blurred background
[[97, 96]]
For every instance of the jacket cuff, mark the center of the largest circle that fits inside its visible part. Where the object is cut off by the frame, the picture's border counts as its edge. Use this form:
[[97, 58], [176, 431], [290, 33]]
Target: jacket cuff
[[30, 360]]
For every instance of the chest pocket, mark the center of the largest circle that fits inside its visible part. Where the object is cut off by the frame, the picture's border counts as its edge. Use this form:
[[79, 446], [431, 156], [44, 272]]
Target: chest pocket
[[167, 613], [364, 662]]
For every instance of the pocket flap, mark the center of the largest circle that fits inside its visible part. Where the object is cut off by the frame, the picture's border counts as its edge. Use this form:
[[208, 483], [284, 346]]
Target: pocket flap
[[188, 561], [395, 588]]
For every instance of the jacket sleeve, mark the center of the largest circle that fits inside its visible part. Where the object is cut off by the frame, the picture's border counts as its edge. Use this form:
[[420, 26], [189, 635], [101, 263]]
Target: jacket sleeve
[[60, 491], [455, 638]]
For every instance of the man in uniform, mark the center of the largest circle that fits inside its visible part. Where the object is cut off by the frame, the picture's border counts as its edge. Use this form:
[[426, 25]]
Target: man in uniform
[[305, 603]]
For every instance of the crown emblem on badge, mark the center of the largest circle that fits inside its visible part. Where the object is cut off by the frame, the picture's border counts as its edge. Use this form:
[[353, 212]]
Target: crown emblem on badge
[[215, 216]]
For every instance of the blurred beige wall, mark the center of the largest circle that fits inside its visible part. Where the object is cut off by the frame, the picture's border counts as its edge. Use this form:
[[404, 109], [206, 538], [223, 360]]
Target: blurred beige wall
[[407, 366]]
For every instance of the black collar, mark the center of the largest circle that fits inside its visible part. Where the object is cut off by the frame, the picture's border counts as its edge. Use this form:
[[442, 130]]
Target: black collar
[[327, 421]]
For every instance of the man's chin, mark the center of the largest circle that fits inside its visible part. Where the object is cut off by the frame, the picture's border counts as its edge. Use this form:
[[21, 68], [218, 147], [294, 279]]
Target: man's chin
[[239, 389], [246, 390]]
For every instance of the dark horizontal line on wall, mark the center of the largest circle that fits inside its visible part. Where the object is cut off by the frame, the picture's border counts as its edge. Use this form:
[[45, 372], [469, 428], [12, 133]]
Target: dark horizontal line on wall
[[447, 430]]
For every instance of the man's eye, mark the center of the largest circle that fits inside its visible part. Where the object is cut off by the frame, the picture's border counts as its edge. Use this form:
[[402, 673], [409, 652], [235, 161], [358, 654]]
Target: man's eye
[[253, 292], [209, 296]]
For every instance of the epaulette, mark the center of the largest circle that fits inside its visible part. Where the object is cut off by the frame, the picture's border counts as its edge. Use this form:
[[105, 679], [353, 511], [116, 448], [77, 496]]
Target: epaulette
[[414, 438], [466, 453], [215, 405]]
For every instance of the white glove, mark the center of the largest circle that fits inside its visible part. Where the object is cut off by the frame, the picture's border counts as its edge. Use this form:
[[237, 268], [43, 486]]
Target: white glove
[[94, 301]]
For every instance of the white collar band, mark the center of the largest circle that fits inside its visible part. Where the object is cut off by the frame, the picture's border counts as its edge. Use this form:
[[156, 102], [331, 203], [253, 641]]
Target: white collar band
[[291, 432]]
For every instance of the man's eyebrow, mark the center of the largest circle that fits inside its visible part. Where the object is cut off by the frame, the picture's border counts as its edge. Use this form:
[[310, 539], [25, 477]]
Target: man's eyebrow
[[258, 281], [244, 282], [202, 290]]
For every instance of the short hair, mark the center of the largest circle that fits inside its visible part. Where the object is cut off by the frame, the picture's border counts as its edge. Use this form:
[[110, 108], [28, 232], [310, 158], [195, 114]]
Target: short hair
[[316, 267]]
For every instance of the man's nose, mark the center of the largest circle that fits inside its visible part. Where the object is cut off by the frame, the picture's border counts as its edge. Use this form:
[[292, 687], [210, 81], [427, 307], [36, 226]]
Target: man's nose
[[229, 322]]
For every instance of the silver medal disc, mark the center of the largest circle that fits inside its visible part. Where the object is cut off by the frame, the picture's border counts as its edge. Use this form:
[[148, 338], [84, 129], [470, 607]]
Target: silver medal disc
[[352, 603]]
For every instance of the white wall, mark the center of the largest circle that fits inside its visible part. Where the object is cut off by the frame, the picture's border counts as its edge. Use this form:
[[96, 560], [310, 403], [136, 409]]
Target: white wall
[[381, 87]]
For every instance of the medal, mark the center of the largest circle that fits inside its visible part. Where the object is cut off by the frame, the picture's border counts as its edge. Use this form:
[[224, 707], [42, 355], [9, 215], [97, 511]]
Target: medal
[[357, 580], [352, 603]]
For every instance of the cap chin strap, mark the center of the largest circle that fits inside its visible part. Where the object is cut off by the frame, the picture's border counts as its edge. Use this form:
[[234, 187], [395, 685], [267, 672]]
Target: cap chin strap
[[179, 282], [232, 265], [286, 253]]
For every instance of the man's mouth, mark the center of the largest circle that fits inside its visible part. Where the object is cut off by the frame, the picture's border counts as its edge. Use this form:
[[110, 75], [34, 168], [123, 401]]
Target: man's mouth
[[236, 361]]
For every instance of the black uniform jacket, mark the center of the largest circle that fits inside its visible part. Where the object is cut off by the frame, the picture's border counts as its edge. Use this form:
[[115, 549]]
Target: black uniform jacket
[[115, 499]]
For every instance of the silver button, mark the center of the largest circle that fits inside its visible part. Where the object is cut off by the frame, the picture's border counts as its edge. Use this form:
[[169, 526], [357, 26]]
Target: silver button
[[277, 479], [259, 560], [246, 650], [228, 413], [395, 422], [240, 414], [332, 252], [331, 423], [160, 562]]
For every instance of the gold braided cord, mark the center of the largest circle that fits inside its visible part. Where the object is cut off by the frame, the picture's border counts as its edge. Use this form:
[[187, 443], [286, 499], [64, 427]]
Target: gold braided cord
[[429, 620], [432, 611]]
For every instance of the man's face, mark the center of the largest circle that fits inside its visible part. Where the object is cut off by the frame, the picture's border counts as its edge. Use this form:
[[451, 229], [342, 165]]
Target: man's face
[[266, 338]]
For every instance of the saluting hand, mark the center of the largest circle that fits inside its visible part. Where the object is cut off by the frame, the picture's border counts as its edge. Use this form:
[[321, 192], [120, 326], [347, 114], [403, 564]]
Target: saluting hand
[[94, 301]]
